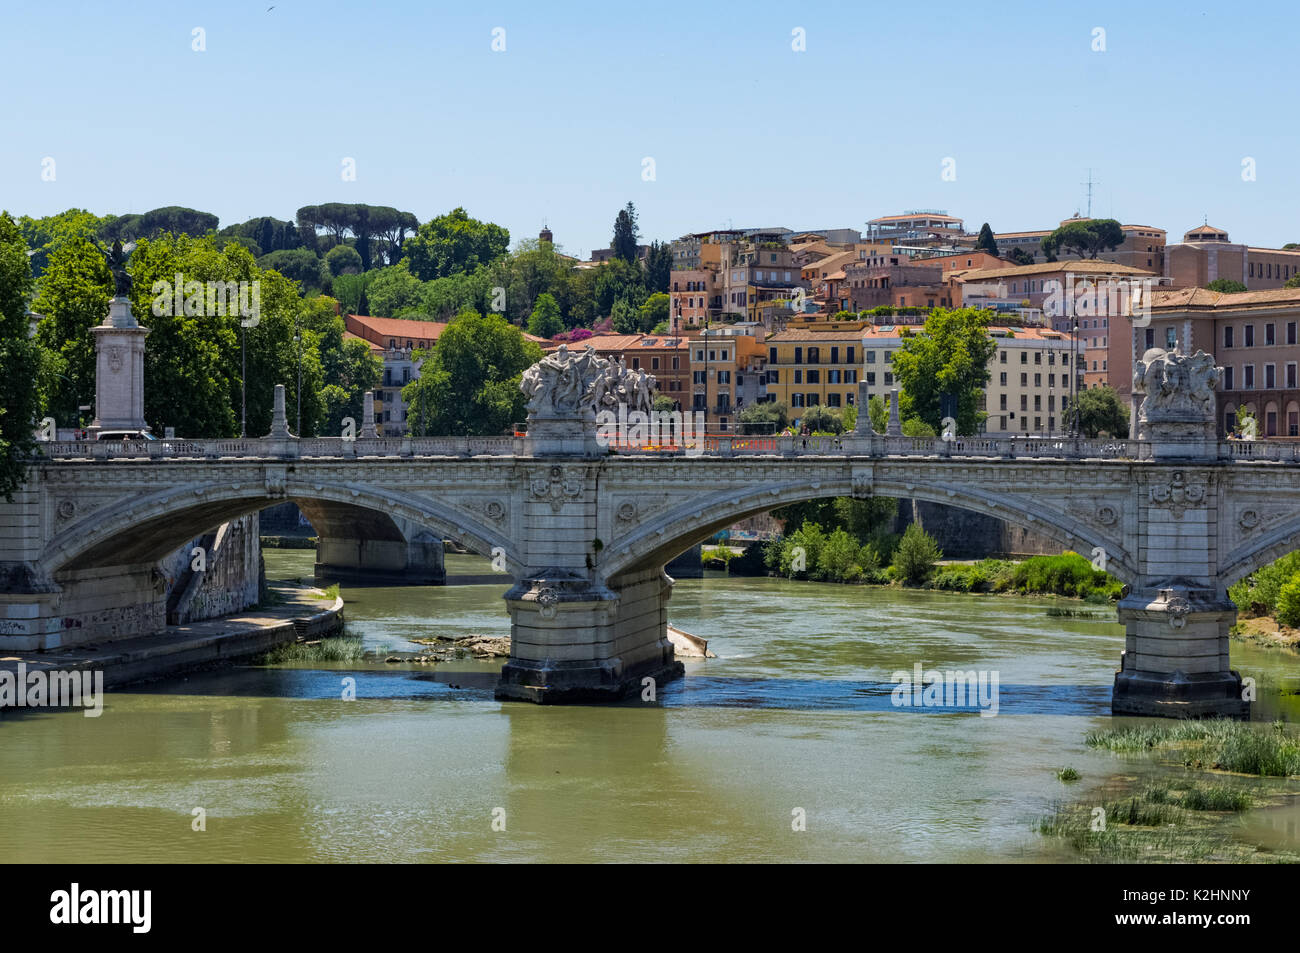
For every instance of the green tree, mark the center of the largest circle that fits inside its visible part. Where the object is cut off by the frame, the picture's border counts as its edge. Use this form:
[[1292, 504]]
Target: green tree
[[348, 366], [1288, 603], [1021, 257], [298, 265], [822, 420], [394, 290], [20, 361], [545, 320], [1087, 238], [801, 550], [1225, 285], [1293, 281], [172, 218], [916, 556], [840, 558], [986, 242], [653, 311], [454, 243], [949, 357], [469, 382], [626, 237], [343, 260], [658, 266], [194, 363], [72, 297], [44, 235], [1100, 411], [764, 418]]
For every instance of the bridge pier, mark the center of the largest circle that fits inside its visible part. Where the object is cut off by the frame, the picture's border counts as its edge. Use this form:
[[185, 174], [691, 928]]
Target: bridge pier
[[575, 641], [1175, 660], [359, 545]]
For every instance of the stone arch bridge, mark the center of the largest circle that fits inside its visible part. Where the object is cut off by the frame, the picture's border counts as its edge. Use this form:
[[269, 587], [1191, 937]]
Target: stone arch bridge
[[585, 530]]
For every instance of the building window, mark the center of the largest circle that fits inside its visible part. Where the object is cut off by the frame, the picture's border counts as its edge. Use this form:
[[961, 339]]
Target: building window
[[1171, 338], [1002, 357], [1250, 336], [1248, 377], [1227, 336], [1270, 334], [1227, 378], [1290, 375], [1270, 376]]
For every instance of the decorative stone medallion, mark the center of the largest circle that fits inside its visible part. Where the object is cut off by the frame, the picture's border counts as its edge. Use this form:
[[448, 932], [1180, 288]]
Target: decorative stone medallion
[[1177, 495]]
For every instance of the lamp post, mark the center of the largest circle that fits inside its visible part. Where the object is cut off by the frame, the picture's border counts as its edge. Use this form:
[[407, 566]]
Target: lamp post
[[243, 382], [1074, 380], [297, 339]]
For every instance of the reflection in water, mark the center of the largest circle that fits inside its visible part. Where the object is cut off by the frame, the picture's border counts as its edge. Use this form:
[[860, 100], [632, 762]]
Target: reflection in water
[[795, 714]]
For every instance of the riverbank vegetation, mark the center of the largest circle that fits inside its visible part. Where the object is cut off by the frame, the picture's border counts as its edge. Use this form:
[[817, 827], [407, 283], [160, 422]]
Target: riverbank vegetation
[[1218, 743], [337, 649], [1268, 604], [912, 560], [1182, 819]]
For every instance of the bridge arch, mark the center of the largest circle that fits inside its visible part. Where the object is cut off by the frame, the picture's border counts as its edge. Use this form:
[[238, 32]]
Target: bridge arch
[[666, 534], [146, 528], [1258, 553]]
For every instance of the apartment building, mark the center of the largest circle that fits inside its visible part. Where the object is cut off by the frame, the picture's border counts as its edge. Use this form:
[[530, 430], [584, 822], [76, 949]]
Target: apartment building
[[727, 367], [1029, 389], [754, 272], [1143, 246], [808, 367], [1253, 335], [395, 340], [1206, 254], [696, 298], [916, 227]]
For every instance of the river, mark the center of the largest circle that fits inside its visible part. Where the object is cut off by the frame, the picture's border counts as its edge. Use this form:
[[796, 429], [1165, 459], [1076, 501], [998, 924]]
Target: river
[[792, 720]]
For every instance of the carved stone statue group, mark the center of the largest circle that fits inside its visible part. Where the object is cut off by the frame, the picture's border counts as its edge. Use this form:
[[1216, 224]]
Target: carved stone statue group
[[566, 384], [1176, 386]]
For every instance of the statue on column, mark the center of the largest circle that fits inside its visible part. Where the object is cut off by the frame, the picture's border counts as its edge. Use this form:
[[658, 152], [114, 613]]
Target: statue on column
[[116, 260]]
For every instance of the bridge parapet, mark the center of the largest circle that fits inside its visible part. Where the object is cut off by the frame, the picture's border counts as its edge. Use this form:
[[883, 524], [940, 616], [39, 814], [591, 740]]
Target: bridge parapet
[[784, 445]]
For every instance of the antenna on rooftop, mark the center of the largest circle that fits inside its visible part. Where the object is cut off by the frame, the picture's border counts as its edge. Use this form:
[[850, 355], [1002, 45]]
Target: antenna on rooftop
[[1090, 184]]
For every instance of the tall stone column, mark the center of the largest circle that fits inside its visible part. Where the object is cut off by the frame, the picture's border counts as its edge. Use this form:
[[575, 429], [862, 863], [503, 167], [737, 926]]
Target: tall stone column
[[119, 370], [576, 636], [1177, 616]]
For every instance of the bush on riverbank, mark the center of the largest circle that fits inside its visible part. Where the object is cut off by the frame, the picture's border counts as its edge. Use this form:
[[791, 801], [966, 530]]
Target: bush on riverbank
[[887, 558], [337, 649], [916, 557], [1219, 743], [1259, 593]]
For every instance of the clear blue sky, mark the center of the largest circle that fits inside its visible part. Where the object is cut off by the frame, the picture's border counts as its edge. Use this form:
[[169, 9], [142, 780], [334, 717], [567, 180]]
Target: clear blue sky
[[743, 130]]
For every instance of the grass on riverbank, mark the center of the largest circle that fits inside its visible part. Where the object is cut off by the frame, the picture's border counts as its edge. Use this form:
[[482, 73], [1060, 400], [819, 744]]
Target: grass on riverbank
[[335, 649], [1170, 822], [1218, 743], [1182, 820]]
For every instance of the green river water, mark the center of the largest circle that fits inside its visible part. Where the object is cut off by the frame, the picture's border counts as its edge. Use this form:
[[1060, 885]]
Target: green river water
[[795, 713]]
